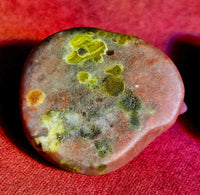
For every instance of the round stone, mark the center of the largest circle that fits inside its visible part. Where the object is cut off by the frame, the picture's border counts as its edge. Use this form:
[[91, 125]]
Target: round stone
[[91, 100]]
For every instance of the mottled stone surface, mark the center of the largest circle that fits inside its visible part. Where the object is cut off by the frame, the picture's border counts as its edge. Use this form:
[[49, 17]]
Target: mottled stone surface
[[91, 100]]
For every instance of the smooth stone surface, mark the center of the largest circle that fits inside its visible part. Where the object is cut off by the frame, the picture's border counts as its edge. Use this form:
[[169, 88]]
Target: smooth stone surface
[[91, 100]]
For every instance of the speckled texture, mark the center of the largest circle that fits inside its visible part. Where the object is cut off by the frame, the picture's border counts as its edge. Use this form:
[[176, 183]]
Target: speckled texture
[[105, 97]]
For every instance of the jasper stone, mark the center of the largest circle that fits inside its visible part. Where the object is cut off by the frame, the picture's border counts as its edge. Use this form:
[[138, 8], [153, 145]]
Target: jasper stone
[[91, 100]]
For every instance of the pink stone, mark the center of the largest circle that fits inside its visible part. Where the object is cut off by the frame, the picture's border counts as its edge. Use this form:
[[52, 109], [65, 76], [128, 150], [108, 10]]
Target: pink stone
[[91, 100]]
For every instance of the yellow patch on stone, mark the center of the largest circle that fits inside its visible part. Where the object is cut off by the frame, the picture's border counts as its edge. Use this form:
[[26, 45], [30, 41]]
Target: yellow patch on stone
[[35, 97], [85, 48], [69, 167]]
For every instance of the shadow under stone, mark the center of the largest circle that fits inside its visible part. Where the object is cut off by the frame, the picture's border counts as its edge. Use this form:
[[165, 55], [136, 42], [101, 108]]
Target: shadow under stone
[[13, 55], [184, 50]]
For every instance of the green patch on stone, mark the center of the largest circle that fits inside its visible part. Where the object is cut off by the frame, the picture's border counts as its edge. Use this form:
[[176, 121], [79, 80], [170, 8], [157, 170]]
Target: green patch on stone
[[101, 33], [123, 38], [69, 167], [89, 80], [103, 148], [83, 76], [93, 112], [59, 124], [130, 102], [115, 70], [101, 167], [93, 132], [113, 85], [92, 84], [89, 33], [135, 120], [55, 124], [85, 48]]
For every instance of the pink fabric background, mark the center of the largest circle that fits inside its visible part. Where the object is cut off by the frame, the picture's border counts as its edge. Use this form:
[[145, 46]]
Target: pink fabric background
[[169, 165]]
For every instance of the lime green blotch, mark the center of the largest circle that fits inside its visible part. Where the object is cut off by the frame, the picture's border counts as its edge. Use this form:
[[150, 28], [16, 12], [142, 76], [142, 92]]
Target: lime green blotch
[[88, 80], [59, 124], [116, 70], [150, 110], [56, 125], [85, 48], [92, 81], [123, 38], [114, 85], [83, 77], [69, 167]]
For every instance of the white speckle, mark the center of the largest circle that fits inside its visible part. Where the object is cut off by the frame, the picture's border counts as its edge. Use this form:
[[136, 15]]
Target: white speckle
[[137, 86], [107, 118], [72, 118], [36, 61]]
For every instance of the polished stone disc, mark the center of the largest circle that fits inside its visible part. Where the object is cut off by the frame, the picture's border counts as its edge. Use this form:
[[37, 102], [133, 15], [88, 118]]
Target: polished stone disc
[[91, 100]]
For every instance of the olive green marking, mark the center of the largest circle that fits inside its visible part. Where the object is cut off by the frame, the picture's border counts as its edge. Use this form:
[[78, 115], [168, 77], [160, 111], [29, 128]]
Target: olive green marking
[[93, 112], [89, 33], [93, 132], [113, 85], [85, 48], [123, 38], [69, 167], [131, 104], [115, 70], [83, 76], [135, 120], [101, 33], [101, 167], [103, 147]]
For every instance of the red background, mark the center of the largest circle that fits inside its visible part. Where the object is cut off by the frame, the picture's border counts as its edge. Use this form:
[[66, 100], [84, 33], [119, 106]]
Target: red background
[[170, 164]]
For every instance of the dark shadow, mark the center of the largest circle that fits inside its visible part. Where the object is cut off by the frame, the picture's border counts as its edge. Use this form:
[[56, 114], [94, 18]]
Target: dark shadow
[[13, 55], [184, 50]]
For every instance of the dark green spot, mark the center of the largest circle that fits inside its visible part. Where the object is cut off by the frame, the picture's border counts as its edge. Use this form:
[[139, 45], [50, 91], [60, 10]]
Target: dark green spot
[[93, 132], [101, 167], [69, 167], [82, 51], [134, 120], [130, 102], [103, 147]]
